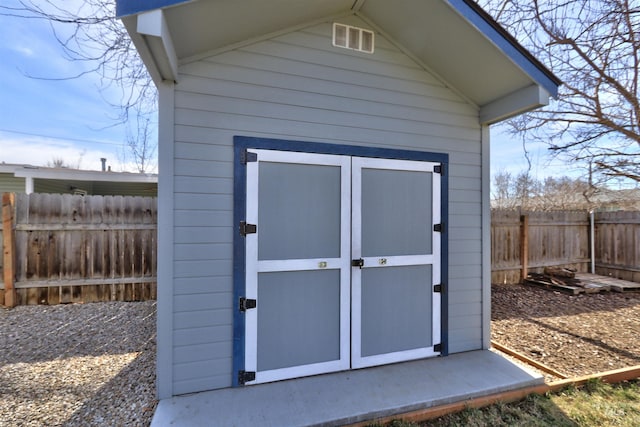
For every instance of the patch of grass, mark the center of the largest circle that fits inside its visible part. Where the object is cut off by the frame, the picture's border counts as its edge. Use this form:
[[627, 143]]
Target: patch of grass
[[596, 404], [601, 404], [533, 411]]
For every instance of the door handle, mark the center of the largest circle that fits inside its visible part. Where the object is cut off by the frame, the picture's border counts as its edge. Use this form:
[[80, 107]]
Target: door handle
[[357, 263]]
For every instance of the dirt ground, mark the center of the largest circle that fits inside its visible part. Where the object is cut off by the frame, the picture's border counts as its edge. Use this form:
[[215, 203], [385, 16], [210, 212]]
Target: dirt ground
[[77, 365], [575, 335]]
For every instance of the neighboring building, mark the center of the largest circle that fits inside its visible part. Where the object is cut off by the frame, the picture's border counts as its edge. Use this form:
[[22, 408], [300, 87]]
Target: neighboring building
[[324, 187], [37, 179]]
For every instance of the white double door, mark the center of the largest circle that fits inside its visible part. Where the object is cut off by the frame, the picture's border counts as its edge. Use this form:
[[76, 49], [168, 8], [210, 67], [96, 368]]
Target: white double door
[[342, 265]]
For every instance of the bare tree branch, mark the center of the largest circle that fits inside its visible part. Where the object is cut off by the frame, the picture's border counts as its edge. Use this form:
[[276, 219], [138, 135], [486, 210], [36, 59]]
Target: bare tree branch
[[594, 47], [90, 34]]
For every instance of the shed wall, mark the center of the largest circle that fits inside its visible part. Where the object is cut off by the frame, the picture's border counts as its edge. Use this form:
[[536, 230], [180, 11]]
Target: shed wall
[[297, 86]]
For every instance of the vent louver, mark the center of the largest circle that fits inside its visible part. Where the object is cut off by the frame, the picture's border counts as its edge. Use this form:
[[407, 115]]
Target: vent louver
[[353, 38]]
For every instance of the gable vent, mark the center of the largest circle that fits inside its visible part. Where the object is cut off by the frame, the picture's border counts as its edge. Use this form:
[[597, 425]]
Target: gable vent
[[353, 38]]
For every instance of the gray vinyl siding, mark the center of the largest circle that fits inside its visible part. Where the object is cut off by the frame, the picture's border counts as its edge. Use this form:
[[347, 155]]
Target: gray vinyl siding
[[54, 186], [99, 188], [11, 184], [143, 189], [298, 87]]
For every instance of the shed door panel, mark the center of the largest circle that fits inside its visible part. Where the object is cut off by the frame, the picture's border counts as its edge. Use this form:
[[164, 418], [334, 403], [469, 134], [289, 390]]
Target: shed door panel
[[297, 264], [395, 312], [298, 319], [315, 312]]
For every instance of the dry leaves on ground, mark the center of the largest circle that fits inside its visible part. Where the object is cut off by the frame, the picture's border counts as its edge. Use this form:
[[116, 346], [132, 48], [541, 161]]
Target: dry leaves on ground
[[575, 335]]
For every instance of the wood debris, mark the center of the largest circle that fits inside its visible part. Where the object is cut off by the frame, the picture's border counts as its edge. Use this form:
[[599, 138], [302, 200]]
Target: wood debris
[[564, 279]]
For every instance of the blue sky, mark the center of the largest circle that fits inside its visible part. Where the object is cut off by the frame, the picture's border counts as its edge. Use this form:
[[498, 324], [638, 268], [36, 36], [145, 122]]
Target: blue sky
[[70, 119], [45, 119]]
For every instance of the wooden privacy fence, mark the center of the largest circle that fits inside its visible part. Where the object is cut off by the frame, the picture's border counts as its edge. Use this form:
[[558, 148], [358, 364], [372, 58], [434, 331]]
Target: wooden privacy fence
[[65, 248], [617, 243], [60, 248], [524, 242]]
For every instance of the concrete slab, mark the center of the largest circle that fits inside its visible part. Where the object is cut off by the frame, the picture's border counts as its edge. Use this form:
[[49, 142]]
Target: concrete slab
[[349, 397]]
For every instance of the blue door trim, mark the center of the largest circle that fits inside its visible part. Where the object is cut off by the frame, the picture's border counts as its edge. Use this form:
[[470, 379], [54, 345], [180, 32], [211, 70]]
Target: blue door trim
[[241, 143]]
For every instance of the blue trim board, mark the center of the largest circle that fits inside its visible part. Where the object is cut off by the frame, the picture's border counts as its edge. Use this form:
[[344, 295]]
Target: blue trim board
[[444, 260], [347, 150], [476, 16], [239, 214], [241, 143], [131, 7]]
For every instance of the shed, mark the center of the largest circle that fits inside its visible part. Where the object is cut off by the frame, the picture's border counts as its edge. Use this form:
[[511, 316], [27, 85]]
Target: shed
[[324, 184]]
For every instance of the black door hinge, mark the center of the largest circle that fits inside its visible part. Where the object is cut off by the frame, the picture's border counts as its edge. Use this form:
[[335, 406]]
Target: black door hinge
[[247, 304], [438, 288], [437, 348], [357, 263], [438, 169], [247, 156], [247, 228], [246, 376], [439, 228]]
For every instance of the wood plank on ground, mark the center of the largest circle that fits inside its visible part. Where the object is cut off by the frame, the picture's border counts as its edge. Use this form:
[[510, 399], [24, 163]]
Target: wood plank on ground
[[581, 283], [573, 290], [615, 284]]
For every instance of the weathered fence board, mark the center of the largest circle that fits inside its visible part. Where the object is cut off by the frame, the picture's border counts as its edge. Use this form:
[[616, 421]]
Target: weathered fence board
[[562, 239], [553, 239], [72, 248], [617, 244], [8, 243], [99, 248], [505, 246]]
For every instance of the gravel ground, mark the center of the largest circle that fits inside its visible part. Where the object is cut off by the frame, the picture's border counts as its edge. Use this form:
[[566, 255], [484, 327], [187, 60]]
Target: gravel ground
[[94, 364], [78, 364], [575, 335]]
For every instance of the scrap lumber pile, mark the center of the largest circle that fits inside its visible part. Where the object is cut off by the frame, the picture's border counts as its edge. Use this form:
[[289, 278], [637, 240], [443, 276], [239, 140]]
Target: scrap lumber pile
[[564, 279]]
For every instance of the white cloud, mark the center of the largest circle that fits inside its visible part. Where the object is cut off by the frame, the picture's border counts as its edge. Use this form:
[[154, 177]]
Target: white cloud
[[39, 151], [24, 50]]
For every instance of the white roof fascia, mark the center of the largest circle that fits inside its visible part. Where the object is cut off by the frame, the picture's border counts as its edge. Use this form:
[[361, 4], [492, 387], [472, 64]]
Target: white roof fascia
[[518, 102], [358, 5], [153, 28], [131, 23], [80, 175], [9, 168]]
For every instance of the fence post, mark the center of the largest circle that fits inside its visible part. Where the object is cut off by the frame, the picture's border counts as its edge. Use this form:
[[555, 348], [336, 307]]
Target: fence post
[[8, 249], [524, 247]]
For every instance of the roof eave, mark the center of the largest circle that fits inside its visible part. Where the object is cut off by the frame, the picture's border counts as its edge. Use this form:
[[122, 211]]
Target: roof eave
[[491, 29], [514, 104], [150, 34]]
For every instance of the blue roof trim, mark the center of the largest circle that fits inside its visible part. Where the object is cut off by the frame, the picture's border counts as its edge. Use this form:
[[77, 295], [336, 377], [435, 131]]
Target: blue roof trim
[[508, 44], [239, 259], [131, 7]]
